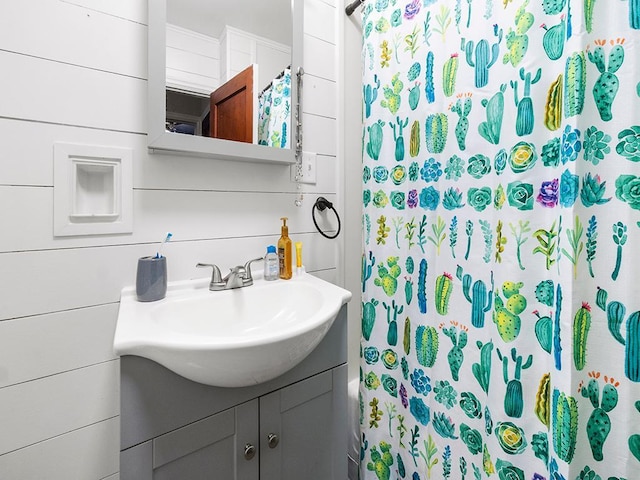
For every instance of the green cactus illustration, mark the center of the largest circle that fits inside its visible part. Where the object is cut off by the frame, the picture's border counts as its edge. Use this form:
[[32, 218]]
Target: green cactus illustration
[[398, 138], [634, 440], [543, 397], [427, 343], [545, 292], [575, 72], [422, 286], [381, 461], [444, 287], [524, 119], [490, 129], [513, 402], [552, 7], [599, 424], [449, 73], [406, 338], [615, 318], [462, 107], [557, 341], [392, 93], [414, 140], [477, 295], [588, 14], [553, 105], [483, 57], [387, 277], [619, 238], [367, 268], [368, 317], [547, 244], [565, 425], [634, 14], [436, 129], [581, 326], [606, 86], [553, 39], [375, 139], [429, 89], [408, 290], [518, 40], [482, 371], [544, 331], [506, 315], [459, 341], [370, 94], [414, 96], [392, 322]]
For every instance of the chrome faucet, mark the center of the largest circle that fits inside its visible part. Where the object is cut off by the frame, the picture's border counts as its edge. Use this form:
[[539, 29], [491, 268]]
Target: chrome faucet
[[237, 277]]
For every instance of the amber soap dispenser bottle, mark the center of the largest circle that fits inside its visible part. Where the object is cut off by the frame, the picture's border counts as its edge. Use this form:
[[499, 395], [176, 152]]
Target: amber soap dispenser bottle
[[284, 251]]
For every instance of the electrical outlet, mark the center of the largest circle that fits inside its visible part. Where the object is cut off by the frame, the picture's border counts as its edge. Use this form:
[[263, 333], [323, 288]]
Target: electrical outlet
[[308, 168]]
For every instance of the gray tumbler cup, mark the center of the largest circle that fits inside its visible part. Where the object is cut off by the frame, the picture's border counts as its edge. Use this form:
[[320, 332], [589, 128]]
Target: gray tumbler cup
[[151, 279]]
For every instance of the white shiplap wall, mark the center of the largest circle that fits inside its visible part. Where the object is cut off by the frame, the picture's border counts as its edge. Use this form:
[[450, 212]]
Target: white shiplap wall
[[75, 71]]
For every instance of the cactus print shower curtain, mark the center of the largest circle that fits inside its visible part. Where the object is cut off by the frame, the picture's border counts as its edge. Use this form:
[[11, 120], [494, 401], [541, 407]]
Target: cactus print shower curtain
[[501, 191]]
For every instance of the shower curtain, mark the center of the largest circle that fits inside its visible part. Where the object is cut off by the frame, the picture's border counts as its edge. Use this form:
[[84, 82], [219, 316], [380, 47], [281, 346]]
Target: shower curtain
[[274, 112], [501, 237]]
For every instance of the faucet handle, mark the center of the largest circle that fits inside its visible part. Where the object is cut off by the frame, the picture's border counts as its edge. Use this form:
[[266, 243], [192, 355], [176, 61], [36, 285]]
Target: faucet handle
[[216, 276], [248, 279]]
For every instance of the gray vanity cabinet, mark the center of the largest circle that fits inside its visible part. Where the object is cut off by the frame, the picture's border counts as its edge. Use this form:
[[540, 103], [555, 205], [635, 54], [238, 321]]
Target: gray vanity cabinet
[[292, 427], [299, 427], [211, 448]]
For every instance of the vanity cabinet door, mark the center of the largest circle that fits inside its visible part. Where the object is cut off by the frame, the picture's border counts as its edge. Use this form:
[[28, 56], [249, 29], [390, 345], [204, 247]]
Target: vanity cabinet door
[[223, 446], [303, 429]]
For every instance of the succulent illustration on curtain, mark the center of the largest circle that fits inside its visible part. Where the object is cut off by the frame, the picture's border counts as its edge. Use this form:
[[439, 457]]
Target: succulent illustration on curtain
[[501, 208]]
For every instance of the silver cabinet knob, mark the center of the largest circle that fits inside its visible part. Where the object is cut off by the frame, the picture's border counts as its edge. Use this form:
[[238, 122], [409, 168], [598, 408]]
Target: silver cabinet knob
[[273, 440], [249, 451]]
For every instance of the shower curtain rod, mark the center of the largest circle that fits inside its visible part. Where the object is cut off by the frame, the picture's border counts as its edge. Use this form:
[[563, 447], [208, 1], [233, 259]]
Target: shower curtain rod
[[352, 7]]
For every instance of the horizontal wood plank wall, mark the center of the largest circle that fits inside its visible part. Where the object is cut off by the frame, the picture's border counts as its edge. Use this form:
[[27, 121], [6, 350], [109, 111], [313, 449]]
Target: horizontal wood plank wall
[[59, 382]]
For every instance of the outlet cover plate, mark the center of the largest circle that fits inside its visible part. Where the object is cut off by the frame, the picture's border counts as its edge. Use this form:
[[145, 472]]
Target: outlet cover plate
[[308, 170]]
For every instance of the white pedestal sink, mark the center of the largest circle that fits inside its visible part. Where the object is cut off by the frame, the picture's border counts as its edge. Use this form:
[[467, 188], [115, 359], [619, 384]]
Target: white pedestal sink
[[231, 338]]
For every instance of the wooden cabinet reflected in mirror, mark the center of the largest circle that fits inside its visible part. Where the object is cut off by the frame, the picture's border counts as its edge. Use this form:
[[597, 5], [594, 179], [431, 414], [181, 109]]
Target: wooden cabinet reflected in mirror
[[232, 109]]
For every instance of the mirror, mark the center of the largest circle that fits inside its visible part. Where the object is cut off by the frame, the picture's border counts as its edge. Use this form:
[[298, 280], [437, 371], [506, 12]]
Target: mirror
[[195, 95]]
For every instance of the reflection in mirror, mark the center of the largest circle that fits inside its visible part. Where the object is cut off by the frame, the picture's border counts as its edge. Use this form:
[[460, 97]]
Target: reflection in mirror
[[228, 70]]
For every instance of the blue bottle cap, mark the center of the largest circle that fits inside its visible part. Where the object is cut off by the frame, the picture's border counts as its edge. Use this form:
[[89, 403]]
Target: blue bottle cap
[[271, 249]]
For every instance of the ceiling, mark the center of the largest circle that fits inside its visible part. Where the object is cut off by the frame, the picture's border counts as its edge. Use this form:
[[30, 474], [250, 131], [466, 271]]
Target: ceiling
[[266, 18]]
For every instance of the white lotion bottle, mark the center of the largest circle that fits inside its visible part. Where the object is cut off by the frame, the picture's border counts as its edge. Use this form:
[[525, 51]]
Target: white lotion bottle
[[271, 264]]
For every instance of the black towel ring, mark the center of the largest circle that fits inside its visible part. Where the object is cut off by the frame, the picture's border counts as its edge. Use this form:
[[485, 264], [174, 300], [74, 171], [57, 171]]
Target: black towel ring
[[322, 204]]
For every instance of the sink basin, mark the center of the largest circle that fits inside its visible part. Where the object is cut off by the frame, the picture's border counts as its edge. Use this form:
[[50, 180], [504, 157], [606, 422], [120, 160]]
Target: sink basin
[[231, 338]]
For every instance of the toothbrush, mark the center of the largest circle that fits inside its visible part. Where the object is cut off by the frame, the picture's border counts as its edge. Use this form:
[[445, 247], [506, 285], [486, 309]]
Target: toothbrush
[[166, 240]]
